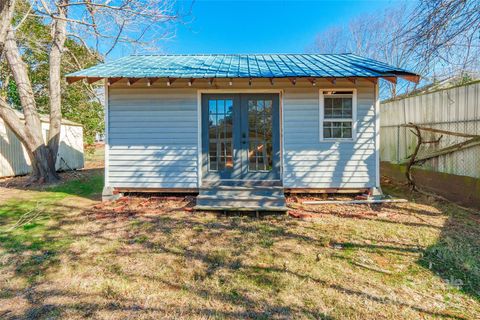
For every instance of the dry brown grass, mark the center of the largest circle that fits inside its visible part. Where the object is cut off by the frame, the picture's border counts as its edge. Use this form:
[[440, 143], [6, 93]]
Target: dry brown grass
[[152, 258]]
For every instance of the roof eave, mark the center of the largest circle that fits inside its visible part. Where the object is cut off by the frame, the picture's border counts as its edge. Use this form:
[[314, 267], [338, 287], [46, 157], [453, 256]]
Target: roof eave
[[391, 77]]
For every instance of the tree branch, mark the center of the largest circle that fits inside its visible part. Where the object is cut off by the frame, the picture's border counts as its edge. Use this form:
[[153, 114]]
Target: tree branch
[[11, 119], [25, 16], [59, 35], [24, 87]]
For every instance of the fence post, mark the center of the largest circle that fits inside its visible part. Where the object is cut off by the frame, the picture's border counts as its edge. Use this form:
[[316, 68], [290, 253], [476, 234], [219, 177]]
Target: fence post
[[398, 143]]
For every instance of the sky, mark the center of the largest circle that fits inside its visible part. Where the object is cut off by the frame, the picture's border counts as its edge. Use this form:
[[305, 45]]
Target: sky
[[261, 26]]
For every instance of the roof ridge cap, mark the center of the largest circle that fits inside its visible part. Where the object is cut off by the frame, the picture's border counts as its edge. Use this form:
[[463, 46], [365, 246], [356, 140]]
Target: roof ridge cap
[[229, 54]]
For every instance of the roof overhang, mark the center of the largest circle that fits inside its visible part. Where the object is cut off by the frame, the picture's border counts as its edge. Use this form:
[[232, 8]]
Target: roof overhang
[[243, 66], [110, 80]]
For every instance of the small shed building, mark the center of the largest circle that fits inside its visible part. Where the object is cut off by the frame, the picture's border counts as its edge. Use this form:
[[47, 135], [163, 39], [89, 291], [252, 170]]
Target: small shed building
[[242, 129], [14, 160]]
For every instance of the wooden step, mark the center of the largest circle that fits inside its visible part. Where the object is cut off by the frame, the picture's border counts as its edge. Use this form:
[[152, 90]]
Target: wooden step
[[242, 187], [229, 208], [241, 183], [237, 197], [241, 204], [241, 198], [242, 191]]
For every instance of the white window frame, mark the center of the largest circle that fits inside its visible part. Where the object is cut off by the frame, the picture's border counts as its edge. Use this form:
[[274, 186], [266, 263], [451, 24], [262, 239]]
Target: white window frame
[[322, 115]]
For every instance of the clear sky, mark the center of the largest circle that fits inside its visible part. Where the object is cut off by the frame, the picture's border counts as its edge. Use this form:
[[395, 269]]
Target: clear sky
[[262, 26]]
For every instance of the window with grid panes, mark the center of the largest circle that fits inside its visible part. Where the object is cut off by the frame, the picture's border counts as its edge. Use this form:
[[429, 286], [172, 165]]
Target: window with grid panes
[[338, 114]]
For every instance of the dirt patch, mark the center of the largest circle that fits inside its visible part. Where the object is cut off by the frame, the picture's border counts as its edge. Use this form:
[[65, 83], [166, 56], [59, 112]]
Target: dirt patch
[[133, 206], [463, 190]]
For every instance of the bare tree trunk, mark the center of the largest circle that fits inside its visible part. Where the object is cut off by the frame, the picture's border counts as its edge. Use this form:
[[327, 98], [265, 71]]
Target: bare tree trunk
[[105, 19], [43, 167], [411, 162], [59, 33], [41, 158], [30, 131], [6, 13]]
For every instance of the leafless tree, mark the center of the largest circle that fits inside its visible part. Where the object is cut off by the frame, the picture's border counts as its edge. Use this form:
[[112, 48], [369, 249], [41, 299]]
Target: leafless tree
[[436, 38], [373, 36], [101, 25], [445, 34]]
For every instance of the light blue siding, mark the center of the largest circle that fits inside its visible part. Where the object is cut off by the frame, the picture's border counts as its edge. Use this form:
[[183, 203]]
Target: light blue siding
[[152, 138], [309, 163]]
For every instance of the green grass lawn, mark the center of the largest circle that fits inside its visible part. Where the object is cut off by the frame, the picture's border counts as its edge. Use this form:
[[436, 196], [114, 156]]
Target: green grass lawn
[[62, 255]]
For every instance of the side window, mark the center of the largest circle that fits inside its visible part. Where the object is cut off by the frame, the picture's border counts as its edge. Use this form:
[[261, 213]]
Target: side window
[[337, 114]]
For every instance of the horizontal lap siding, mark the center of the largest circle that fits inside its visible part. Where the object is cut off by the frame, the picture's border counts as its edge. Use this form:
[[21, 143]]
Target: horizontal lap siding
[[152, 138], [309, 163]]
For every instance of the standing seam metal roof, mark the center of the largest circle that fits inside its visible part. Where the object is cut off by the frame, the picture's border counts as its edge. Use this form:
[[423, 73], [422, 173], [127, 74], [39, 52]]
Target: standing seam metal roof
[[241, 66]]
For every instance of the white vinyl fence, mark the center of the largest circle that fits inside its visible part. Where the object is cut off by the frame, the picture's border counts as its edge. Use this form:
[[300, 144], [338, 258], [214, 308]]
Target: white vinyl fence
[[456, 109]]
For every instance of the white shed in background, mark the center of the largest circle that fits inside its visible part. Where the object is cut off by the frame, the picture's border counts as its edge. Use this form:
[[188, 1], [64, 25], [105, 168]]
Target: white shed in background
[[14, 159]]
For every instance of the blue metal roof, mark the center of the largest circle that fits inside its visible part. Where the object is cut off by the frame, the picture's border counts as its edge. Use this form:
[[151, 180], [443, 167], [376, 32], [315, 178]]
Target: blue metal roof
[[241, 66]]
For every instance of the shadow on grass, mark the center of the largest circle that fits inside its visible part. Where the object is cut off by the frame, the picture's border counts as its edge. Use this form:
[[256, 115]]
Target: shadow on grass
[[31, 238], [455, 257], [37, 247], [40, 245], [86, 183], [264, 277]]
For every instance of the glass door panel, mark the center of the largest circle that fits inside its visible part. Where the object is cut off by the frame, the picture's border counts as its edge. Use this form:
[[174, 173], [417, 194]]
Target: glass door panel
[[261, 137], [240, 137], [219, 122], [220, 139]]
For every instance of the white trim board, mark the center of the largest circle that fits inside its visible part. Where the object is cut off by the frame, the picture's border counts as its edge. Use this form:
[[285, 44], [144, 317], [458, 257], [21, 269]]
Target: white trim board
[[282, 145], [377, 137], [240, 91], [107, 144], [199, 138]]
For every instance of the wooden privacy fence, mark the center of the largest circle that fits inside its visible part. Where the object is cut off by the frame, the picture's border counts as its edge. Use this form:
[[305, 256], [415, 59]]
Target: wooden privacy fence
[[449, 123]]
